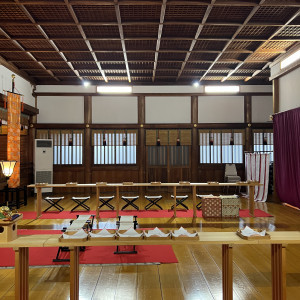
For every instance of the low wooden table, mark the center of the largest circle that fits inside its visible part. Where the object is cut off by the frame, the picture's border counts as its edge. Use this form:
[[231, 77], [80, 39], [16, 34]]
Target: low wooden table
[[279, 240], [117, 186]]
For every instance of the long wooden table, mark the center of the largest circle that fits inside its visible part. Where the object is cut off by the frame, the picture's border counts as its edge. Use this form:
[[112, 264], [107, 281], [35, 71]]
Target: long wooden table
[[279, 240], [117, 186]]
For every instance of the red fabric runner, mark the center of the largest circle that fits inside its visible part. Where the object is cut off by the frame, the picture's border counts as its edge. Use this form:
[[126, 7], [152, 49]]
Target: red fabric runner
[[91, 255]]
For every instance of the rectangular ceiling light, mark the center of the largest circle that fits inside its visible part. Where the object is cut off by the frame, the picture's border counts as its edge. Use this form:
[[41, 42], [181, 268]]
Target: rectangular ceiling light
[[221, 89], [114, 89], [291, 59]]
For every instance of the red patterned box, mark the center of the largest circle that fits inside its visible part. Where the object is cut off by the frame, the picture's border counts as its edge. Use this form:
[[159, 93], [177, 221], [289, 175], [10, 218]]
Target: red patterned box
[[212, 207]]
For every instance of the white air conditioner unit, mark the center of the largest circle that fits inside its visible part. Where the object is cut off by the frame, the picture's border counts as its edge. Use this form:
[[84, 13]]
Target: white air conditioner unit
[[43, 162]]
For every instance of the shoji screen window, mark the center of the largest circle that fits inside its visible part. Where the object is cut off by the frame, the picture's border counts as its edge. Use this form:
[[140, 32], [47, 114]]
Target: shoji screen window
[[232, 146], [221, 146], [67, 145], [210, 146], [263, 141], [114, 147]]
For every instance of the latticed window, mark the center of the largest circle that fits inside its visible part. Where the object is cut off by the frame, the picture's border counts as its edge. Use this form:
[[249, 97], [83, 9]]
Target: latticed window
[[221, 146], [263, 141], [168, 147], [67, 145], [114, 147]]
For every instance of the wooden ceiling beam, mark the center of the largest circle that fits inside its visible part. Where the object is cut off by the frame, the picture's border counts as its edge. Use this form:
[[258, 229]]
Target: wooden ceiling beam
[[27, 52], [251, 14], [159, 34], [193, 43], [75, 19], [294, 3], [261, 45], [118, 15], [138, 23]]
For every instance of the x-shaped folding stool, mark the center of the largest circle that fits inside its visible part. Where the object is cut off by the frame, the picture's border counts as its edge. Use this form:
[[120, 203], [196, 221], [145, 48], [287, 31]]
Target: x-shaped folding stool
[[129, 201], [153, 201], [53, 201], [105, 201], [180, 200], [199, 205], [80, 202]]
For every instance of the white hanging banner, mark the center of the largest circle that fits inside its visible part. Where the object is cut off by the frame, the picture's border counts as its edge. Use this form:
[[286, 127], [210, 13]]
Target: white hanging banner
[[257, 169]]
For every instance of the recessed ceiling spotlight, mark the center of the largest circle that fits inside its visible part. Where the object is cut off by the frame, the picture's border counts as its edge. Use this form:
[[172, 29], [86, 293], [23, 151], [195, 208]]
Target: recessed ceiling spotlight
[[196, 84], [86, 83]]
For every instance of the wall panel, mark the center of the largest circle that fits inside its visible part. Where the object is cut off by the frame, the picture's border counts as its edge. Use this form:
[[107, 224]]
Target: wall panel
[[164, 109], [114, 110], [61, 109], [221, 109], [262, 108]]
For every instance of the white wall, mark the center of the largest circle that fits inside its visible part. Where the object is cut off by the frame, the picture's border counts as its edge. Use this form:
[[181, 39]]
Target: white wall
[[22, 86], [159, 89], [114, 110], [168, 109], [67, 109], [289, 90], [262, 108], [221, 109]]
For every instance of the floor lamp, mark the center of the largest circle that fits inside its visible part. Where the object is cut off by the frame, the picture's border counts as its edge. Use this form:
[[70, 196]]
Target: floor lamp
[[7, 170]]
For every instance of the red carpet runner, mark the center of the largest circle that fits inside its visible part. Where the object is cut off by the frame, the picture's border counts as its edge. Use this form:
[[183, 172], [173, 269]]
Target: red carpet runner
[[92, 255], [244, 213]]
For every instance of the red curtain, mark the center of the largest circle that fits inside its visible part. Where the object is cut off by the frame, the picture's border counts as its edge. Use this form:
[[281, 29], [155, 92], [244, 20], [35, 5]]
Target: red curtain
[[13, 136], [287, 156]]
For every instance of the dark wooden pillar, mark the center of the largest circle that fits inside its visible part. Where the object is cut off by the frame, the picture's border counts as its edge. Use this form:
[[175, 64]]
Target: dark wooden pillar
[[87, 158], [275, 111], [248, 121], [195, 147], [141, 138], [31, 137]]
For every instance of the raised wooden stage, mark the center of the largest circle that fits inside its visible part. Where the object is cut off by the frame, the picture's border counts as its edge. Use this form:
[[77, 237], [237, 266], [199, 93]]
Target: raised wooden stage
[[198, 275]]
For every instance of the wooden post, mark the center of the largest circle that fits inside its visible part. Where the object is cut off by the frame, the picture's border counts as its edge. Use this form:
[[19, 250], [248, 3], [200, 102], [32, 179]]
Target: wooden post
[[97, 202], [141, 140], [38, 204], [21, 273], [248, 121], [74, 273], [251, 200], [227, 272], [195, 147], [278, 264], [194, 202], [174, 193], [117, 200], [87, 141]]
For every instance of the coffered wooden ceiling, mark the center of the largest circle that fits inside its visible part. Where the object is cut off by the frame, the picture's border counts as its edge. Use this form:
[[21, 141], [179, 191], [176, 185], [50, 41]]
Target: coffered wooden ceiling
[[146, 42]]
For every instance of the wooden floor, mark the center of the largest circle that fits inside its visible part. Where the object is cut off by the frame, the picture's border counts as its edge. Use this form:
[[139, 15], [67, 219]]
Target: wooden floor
[[196, 276]]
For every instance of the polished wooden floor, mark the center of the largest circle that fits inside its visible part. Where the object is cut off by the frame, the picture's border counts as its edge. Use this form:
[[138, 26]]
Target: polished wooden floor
[[196, 276]]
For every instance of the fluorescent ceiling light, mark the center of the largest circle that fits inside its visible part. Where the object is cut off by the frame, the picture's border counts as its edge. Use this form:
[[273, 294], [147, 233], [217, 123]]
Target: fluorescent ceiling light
[[86, 83], [114, 89], [222, 89], [196, 84], [291, 59]]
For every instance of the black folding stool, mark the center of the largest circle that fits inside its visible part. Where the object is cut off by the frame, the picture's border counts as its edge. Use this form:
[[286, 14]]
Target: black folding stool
[[153, 201], [180, 200], [199, 205], [129, 201], [88, 226], [80, 202], [105, 201], [53, 201]]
